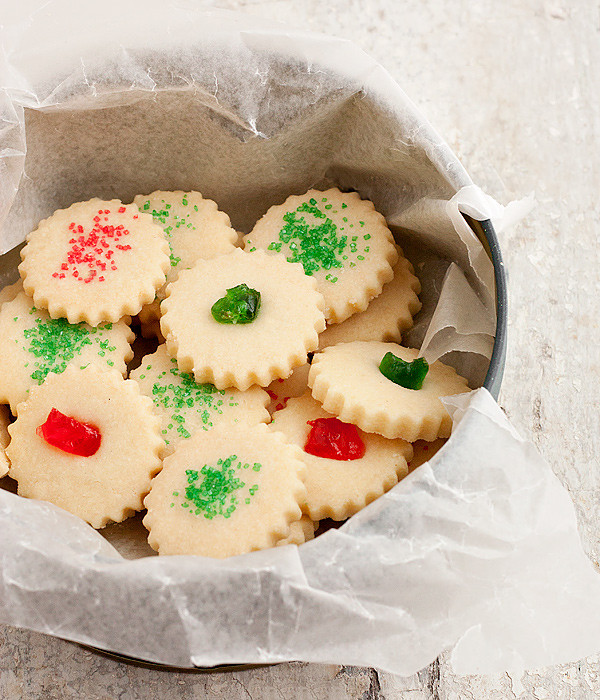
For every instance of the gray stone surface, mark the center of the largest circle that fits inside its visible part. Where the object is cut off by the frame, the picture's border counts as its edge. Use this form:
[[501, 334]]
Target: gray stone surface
[[513, 86]]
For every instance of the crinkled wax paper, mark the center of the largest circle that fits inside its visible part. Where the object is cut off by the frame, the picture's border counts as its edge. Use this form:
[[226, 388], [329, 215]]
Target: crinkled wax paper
[[477, 549]]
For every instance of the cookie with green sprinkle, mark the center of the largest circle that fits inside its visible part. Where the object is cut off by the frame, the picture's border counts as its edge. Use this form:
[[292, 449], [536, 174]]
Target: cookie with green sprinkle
[[184, 406], [194, 227], [340, 240], [33, 345], [229, 491]]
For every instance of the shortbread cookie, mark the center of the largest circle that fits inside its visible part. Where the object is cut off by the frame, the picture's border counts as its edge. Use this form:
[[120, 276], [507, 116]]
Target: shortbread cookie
[[387, 316], [301, 531], [269, 312], [346, 379], [95, 261], [4, 439], [33, 345], [185, 406], [340, 240], [232, 490], [282, 390], [9, 292], [194, 227], [423, 451], [337, 487], [87, 441]]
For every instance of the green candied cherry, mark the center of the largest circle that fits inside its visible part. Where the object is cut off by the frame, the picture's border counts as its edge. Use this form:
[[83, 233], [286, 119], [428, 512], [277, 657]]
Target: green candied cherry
[[240, 304], [410, 375]]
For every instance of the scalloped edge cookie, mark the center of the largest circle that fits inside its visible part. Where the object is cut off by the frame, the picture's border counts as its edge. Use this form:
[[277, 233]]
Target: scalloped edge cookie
[[387, 316], [97, 278], [260, 518], [337, 489], [108, 486], [32, 345], [184, 406], [285, 330], [346, 379], [195, 228], [358, 261]]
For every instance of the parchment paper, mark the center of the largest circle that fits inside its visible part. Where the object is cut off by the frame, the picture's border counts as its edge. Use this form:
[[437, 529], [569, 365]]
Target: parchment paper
[[479, 546]]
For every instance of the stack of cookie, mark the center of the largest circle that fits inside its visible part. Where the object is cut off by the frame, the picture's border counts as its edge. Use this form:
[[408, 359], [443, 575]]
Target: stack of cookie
[[185, 436]]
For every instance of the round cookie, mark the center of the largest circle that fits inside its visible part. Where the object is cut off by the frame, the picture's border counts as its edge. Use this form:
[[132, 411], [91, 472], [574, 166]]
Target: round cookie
[[33, 345], [387, 316], [282, 390], [87, 441], [230, 491], [301, 531], [194, 228], [279, 338], [341, 241], [4, 439], [346, 379], [185, 406], [337, 488], [95, 261], [9, 292]]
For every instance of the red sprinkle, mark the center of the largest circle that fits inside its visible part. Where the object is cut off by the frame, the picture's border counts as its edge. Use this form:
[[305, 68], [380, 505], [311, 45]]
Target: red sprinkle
[[332, 439], [92, 250], [69, 434]]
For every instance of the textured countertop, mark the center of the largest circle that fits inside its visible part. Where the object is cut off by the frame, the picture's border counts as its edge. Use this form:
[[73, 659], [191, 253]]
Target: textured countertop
[[513, 87]]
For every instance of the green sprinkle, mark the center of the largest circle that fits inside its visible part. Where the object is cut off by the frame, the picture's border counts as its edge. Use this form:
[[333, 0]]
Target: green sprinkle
[[315, 243], [211, 491], [56, 342], [367, 236], [178, 396]]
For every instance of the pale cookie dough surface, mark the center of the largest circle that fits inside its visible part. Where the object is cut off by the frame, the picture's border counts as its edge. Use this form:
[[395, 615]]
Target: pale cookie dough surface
[[346, 379], [282, 390], [194, 228], [301, 531], [9, 292], [4, 439], [95, 261], [107, 486], [33, 345], [337, 489], [230, 491], [387, 316], [184, 406], [284, 332], [340, 240]]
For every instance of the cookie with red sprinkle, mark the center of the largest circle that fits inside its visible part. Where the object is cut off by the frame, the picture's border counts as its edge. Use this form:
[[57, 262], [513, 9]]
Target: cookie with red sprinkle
[[95, 261]]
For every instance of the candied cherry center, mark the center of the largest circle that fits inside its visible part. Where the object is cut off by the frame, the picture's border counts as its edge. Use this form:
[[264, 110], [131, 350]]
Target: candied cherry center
[[70, 435], [332, 439], [409, 375], [240, 304]]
